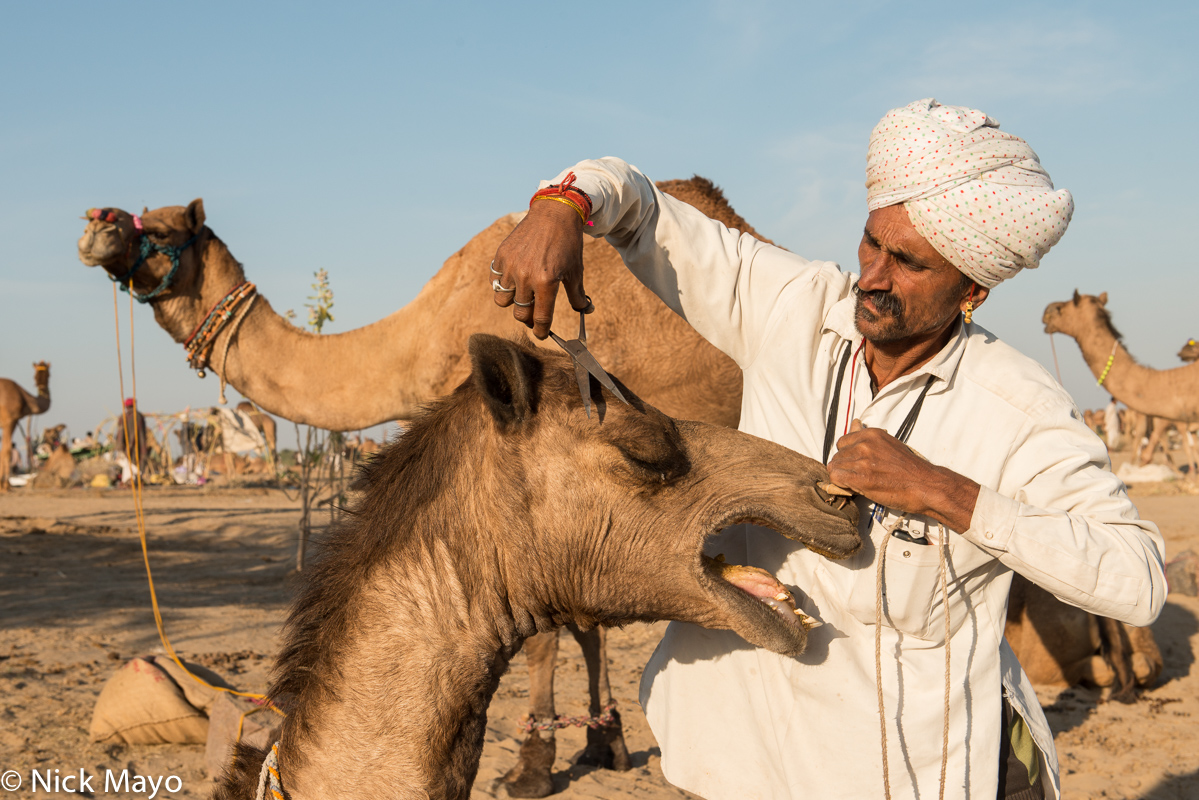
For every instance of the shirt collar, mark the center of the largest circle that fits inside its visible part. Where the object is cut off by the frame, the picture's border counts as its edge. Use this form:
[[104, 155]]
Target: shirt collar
[[943, 365]]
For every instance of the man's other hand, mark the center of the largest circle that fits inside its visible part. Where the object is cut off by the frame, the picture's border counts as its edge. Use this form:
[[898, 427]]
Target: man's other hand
[[545, 249], [876, 465]]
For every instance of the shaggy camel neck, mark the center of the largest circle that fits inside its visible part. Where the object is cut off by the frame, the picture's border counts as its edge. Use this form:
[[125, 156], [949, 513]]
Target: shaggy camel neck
[[425, 707], [423, 644], [339, 382], [1160, 393]]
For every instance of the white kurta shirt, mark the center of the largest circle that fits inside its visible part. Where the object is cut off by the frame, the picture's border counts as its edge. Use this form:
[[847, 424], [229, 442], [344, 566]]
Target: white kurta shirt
[[734, 721]]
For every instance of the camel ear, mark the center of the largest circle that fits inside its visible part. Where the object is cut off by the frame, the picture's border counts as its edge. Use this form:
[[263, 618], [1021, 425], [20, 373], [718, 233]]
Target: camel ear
[[506, 375], [1077, 297], [195, 215], [1103, 299]]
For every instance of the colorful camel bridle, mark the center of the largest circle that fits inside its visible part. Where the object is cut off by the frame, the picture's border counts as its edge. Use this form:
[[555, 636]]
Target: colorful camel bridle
[[147, 248], [200, 343]]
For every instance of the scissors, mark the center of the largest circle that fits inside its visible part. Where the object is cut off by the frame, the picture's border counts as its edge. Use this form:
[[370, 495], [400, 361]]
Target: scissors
[[586, 367]]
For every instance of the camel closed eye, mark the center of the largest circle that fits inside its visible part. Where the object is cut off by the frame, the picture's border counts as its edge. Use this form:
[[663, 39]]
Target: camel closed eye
[[665, 472]]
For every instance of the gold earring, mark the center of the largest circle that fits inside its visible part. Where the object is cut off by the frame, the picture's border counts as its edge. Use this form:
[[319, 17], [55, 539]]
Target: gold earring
[[969, 310]]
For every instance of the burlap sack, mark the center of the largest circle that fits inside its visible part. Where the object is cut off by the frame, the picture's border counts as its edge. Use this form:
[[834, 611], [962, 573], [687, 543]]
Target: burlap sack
[[259, 727], [151, 701]]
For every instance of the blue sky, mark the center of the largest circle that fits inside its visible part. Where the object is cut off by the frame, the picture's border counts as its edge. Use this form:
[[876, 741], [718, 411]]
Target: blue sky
[[374, 140]]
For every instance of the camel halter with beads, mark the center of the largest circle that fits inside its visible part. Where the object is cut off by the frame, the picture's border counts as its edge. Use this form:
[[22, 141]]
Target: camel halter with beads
[[146, 248]]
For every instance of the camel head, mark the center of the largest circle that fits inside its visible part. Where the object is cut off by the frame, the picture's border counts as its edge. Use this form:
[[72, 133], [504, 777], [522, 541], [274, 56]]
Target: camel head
[[604, 520], [113, 239], [1189, 351], [1078, 315], [41, 375]]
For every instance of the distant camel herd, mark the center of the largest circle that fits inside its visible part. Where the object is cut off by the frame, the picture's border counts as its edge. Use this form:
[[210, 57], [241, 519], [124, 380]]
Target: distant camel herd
[[384, 577]]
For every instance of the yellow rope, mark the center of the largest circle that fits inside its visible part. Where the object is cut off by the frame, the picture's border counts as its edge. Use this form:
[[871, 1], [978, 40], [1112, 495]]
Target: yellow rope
[[139, 510]]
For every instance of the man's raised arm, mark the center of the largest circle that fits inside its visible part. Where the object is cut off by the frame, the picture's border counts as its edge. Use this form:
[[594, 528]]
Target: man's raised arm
[[725, 283]]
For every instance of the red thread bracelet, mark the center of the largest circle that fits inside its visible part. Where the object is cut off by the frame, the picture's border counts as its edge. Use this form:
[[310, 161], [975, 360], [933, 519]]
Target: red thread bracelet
[[568, 193]]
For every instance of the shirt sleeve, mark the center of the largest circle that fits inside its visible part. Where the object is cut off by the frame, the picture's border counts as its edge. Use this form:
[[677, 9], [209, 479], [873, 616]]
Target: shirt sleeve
[[726, 284], [1063, 520]]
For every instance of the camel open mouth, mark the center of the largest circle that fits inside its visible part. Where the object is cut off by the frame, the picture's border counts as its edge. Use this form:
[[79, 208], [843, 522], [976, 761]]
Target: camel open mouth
[[763, 587], [756, 605]]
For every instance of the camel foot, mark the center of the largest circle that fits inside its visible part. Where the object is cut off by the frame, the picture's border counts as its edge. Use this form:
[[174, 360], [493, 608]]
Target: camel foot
[[605, 747], [1098, 672], [1142, 669], [531, 775]]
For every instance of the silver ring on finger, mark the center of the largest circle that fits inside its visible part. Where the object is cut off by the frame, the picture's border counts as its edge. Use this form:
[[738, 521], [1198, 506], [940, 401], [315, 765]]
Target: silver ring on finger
[[495, 287], [491, 267], [529, 304]]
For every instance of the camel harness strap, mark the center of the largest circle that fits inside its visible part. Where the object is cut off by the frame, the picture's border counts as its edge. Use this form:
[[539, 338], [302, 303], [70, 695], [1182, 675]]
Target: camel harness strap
[[148, 247]]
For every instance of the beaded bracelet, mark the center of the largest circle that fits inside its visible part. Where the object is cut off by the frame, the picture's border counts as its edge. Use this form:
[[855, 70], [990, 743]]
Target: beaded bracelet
[[578, 209]]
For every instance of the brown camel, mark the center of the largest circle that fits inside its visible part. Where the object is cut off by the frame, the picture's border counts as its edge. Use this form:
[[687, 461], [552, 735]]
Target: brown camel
[[16, 403], [501, 512], [387, 370], [1168, 393], [1060, 645]]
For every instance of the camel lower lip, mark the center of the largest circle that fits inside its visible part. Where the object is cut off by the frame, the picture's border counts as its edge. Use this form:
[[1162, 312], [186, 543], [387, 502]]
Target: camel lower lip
[[760, 585]]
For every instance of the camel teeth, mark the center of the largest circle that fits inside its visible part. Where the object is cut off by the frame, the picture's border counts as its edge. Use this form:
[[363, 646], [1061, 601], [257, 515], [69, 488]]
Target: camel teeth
[[782, 596]]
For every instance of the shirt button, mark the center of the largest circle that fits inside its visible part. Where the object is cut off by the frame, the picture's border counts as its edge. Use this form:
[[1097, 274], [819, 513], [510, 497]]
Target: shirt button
[[907, 553], [990, 535]]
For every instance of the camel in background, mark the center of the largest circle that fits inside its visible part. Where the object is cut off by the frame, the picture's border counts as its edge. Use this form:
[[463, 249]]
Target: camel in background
[[1187, 432], [1167, 393], [16, 403], [1145, 431], [477, 529], [1060, 645], [387, 370]]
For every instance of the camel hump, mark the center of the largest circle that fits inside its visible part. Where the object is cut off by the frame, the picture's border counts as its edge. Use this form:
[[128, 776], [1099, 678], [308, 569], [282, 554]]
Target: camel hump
[[701, 193]]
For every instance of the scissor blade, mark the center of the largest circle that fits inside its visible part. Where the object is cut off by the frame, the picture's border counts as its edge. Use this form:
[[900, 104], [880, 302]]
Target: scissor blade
[[584, 379], [582, 357]]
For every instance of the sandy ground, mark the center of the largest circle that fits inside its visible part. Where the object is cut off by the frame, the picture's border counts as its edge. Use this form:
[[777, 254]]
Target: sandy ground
[[74, 606]]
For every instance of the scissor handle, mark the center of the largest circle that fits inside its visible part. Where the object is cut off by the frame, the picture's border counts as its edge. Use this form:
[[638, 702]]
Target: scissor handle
[[583, 312]]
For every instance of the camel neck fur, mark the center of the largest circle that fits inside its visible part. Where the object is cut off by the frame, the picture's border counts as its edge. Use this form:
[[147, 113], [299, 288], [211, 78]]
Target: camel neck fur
[[417, 641], [365, 375]]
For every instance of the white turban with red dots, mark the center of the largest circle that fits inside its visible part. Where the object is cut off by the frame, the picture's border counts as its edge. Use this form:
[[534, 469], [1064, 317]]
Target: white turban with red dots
[[978, 195]]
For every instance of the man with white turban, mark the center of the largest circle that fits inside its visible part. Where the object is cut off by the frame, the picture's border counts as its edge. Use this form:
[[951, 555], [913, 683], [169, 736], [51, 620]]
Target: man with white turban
[[894, 696]]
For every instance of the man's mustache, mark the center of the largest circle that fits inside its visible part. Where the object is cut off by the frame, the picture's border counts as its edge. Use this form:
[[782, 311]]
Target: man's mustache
[[886, 303]]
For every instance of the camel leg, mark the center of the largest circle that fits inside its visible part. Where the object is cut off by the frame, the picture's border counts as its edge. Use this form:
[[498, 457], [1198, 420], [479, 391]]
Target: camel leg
[[605, 744], [1117, 652], [1146, 657], [1188, 449], [6, 454], [1155, 435], [531, 775]]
